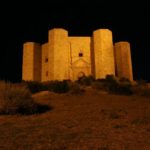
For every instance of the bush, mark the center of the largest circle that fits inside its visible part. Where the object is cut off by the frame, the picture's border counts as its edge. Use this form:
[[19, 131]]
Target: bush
[[57, 86], [35, 86], [85, 80], [75, 88], [114, 85], [98, 85], [141, 90], [60, 86], [111, 83], [15, 99], [124, 89]]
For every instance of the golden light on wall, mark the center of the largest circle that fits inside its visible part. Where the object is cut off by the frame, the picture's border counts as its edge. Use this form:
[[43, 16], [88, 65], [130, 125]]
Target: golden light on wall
[[59, 58]]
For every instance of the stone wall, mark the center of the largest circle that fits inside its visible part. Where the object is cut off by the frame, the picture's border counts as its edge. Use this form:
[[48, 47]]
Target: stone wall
[[45, 63], [123, 60], [37, 62], [31, 69], [65, 57], [58, 54], [51, 55], [80, 56], [103, 53]]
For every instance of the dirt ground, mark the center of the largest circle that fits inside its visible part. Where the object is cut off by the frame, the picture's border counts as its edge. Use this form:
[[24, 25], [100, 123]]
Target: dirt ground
[[91, 121]]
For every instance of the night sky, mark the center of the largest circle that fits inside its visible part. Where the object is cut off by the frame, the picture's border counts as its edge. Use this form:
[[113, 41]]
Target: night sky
[[28, 21]]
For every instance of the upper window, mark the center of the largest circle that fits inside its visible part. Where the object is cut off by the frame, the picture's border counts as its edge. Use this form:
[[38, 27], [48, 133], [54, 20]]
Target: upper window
[[46, 59], [80, 54]]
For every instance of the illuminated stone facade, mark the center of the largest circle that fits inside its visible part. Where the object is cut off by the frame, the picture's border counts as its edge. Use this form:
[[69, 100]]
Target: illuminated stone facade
[[123, 60], [69, 57]]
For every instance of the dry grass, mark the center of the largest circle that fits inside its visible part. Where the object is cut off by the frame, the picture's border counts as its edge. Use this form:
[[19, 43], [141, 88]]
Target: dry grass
[[92, 121], [16, 99]]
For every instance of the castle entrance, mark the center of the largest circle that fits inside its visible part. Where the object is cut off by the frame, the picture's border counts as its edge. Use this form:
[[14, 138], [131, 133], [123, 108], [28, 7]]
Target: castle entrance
[[81, 74], [80, 68]]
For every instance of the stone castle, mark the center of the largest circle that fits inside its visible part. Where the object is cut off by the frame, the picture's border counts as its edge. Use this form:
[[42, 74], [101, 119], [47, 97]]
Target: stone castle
[[70, 57]]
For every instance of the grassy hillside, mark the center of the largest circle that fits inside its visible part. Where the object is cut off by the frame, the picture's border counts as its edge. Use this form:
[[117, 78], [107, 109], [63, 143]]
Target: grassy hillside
[[90, 121]]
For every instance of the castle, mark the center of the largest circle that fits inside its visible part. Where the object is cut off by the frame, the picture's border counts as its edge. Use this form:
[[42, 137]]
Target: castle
[[70, 57]]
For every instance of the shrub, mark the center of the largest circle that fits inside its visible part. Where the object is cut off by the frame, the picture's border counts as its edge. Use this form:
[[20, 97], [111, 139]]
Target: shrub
[[124, 89], [57, 86], [35, 86], [111, 83], [141, 90], [98, 85], [60, 86], [75, 88], [85, 80], [114, 85], [125, 86], [15, 99], [118, 86]]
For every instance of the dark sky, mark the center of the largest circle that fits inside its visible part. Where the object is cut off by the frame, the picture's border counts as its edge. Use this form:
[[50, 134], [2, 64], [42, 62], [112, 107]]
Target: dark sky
[[28, 21]]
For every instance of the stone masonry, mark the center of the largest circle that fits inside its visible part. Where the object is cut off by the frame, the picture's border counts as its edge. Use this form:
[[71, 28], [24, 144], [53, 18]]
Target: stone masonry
[[123, 60], [67, 57]]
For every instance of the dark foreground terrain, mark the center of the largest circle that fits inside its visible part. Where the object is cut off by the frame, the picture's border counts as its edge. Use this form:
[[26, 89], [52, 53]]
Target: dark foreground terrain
[[91, 121]]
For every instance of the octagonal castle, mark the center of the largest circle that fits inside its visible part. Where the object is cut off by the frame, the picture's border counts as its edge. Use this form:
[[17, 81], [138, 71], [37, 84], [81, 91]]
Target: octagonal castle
[[66, 57]]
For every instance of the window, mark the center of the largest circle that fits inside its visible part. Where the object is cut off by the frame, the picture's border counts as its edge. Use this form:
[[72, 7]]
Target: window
[[46, 73], [80, 54], [46, 59]]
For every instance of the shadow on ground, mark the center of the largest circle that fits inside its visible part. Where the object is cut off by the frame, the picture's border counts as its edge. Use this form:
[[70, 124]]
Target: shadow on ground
[[39, 109], [36, 109]]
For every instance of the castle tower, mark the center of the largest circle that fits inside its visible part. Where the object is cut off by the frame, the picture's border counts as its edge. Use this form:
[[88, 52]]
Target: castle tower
[[31, 69], [45, 63], [103, 53], [58, 54], [123, 60]]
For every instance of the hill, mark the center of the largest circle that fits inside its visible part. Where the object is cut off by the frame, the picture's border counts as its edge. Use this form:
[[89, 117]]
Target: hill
[[90, 121]]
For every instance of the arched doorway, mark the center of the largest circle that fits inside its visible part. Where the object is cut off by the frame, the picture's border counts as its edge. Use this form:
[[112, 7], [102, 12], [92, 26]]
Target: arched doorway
[[81, 74], [80, 68]]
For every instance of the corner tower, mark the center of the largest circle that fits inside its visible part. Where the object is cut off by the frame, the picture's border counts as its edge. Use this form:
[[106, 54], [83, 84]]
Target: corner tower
[[123, 60], [58, 54], [31, 68], [103, 53]]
